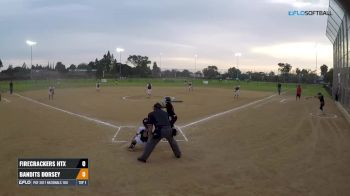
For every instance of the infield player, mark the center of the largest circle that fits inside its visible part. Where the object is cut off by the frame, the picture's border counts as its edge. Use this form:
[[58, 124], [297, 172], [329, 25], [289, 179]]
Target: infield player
[[149, 90], [141, 136], [98, 86], [236, 91], [51, 92], [190, 86]]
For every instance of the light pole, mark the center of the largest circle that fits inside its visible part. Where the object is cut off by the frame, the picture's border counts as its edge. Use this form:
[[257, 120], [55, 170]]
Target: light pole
[[195, 64], [120, 50], [237, 55], [316, 57], [160, 64], [31, 44]]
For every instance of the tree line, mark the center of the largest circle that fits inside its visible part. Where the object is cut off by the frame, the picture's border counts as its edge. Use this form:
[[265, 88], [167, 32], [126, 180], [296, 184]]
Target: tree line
[[141, 66]]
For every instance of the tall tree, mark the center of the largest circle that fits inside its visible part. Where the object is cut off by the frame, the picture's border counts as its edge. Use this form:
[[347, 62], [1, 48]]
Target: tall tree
[[211, 72], [141, 65], [324, 70], [186, 73], [72, 67], [284, 68], [155, 70], [60, 67], [329, 76], [1, 65], [233, 72]]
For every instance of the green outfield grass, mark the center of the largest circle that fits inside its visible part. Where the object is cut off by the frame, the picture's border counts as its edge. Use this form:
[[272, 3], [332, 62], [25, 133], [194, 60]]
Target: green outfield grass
[[25, 85]]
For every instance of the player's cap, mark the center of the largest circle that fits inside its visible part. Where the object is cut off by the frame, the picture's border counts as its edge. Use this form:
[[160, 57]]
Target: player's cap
[[157, 105]]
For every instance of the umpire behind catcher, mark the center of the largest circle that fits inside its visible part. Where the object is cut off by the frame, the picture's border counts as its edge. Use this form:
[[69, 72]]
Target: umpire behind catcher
[[162, 129]]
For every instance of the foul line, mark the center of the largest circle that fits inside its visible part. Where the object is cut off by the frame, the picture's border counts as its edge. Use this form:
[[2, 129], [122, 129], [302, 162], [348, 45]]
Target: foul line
[[6, 100], [115, 139], [225, 112], [70, 113], [283, 100], [182, 133]]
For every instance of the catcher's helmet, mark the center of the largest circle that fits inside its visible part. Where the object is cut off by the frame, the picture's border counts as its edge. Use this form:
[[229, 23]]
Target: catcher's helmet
[[145, 122], [167, 99]]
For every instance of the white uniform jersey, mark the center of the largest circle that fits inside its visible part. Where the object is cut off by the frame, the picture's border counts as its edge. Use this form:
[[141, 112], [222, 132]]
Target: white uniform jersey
[[50, 90], [236, 90], [139, 132]]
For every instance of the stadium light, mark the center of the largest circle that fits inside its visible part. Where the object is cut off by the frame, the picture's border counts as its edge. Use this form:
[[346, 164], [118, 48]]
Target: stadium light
[[316, 56], [31, 44], [237, 55], [120, 50], [195, 64]]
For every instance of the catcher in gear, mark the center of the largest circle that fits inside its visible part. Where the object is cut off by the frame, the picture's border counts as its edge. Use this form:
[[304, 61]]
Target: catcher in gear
[[141, 136]]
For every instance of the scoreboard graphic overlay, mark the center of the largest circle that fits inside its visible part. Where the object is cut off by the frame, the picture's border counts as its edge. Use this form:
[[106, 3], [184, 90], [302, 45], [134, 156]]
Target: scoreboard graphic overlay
[[53, 172]]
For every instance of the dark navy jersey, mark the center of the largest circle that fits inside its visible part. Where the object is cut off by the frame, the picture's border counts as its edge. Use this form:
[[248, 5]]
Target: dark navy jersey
[[149, 86], [158, 118], [170, 109], [321, 98]]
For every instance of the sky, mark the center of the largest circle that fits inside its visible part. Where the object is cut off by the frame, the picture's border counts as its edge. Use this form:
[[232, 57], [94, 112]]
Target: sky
[[170, 32]]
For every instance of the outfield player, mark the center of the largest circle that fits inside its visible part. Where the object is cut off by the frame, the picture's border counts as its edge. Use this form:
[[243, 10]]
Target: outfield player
[[98, 86], [298, 92], [51, 92], [236, 91], [149, 89], [171, 112], [141, 136], [11, 87], [279, 87]]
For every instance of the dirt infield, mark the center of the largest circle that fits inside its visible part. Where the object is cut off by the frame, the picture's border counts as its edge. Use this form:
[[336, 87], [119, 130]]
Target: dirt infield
[[275, 146]]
